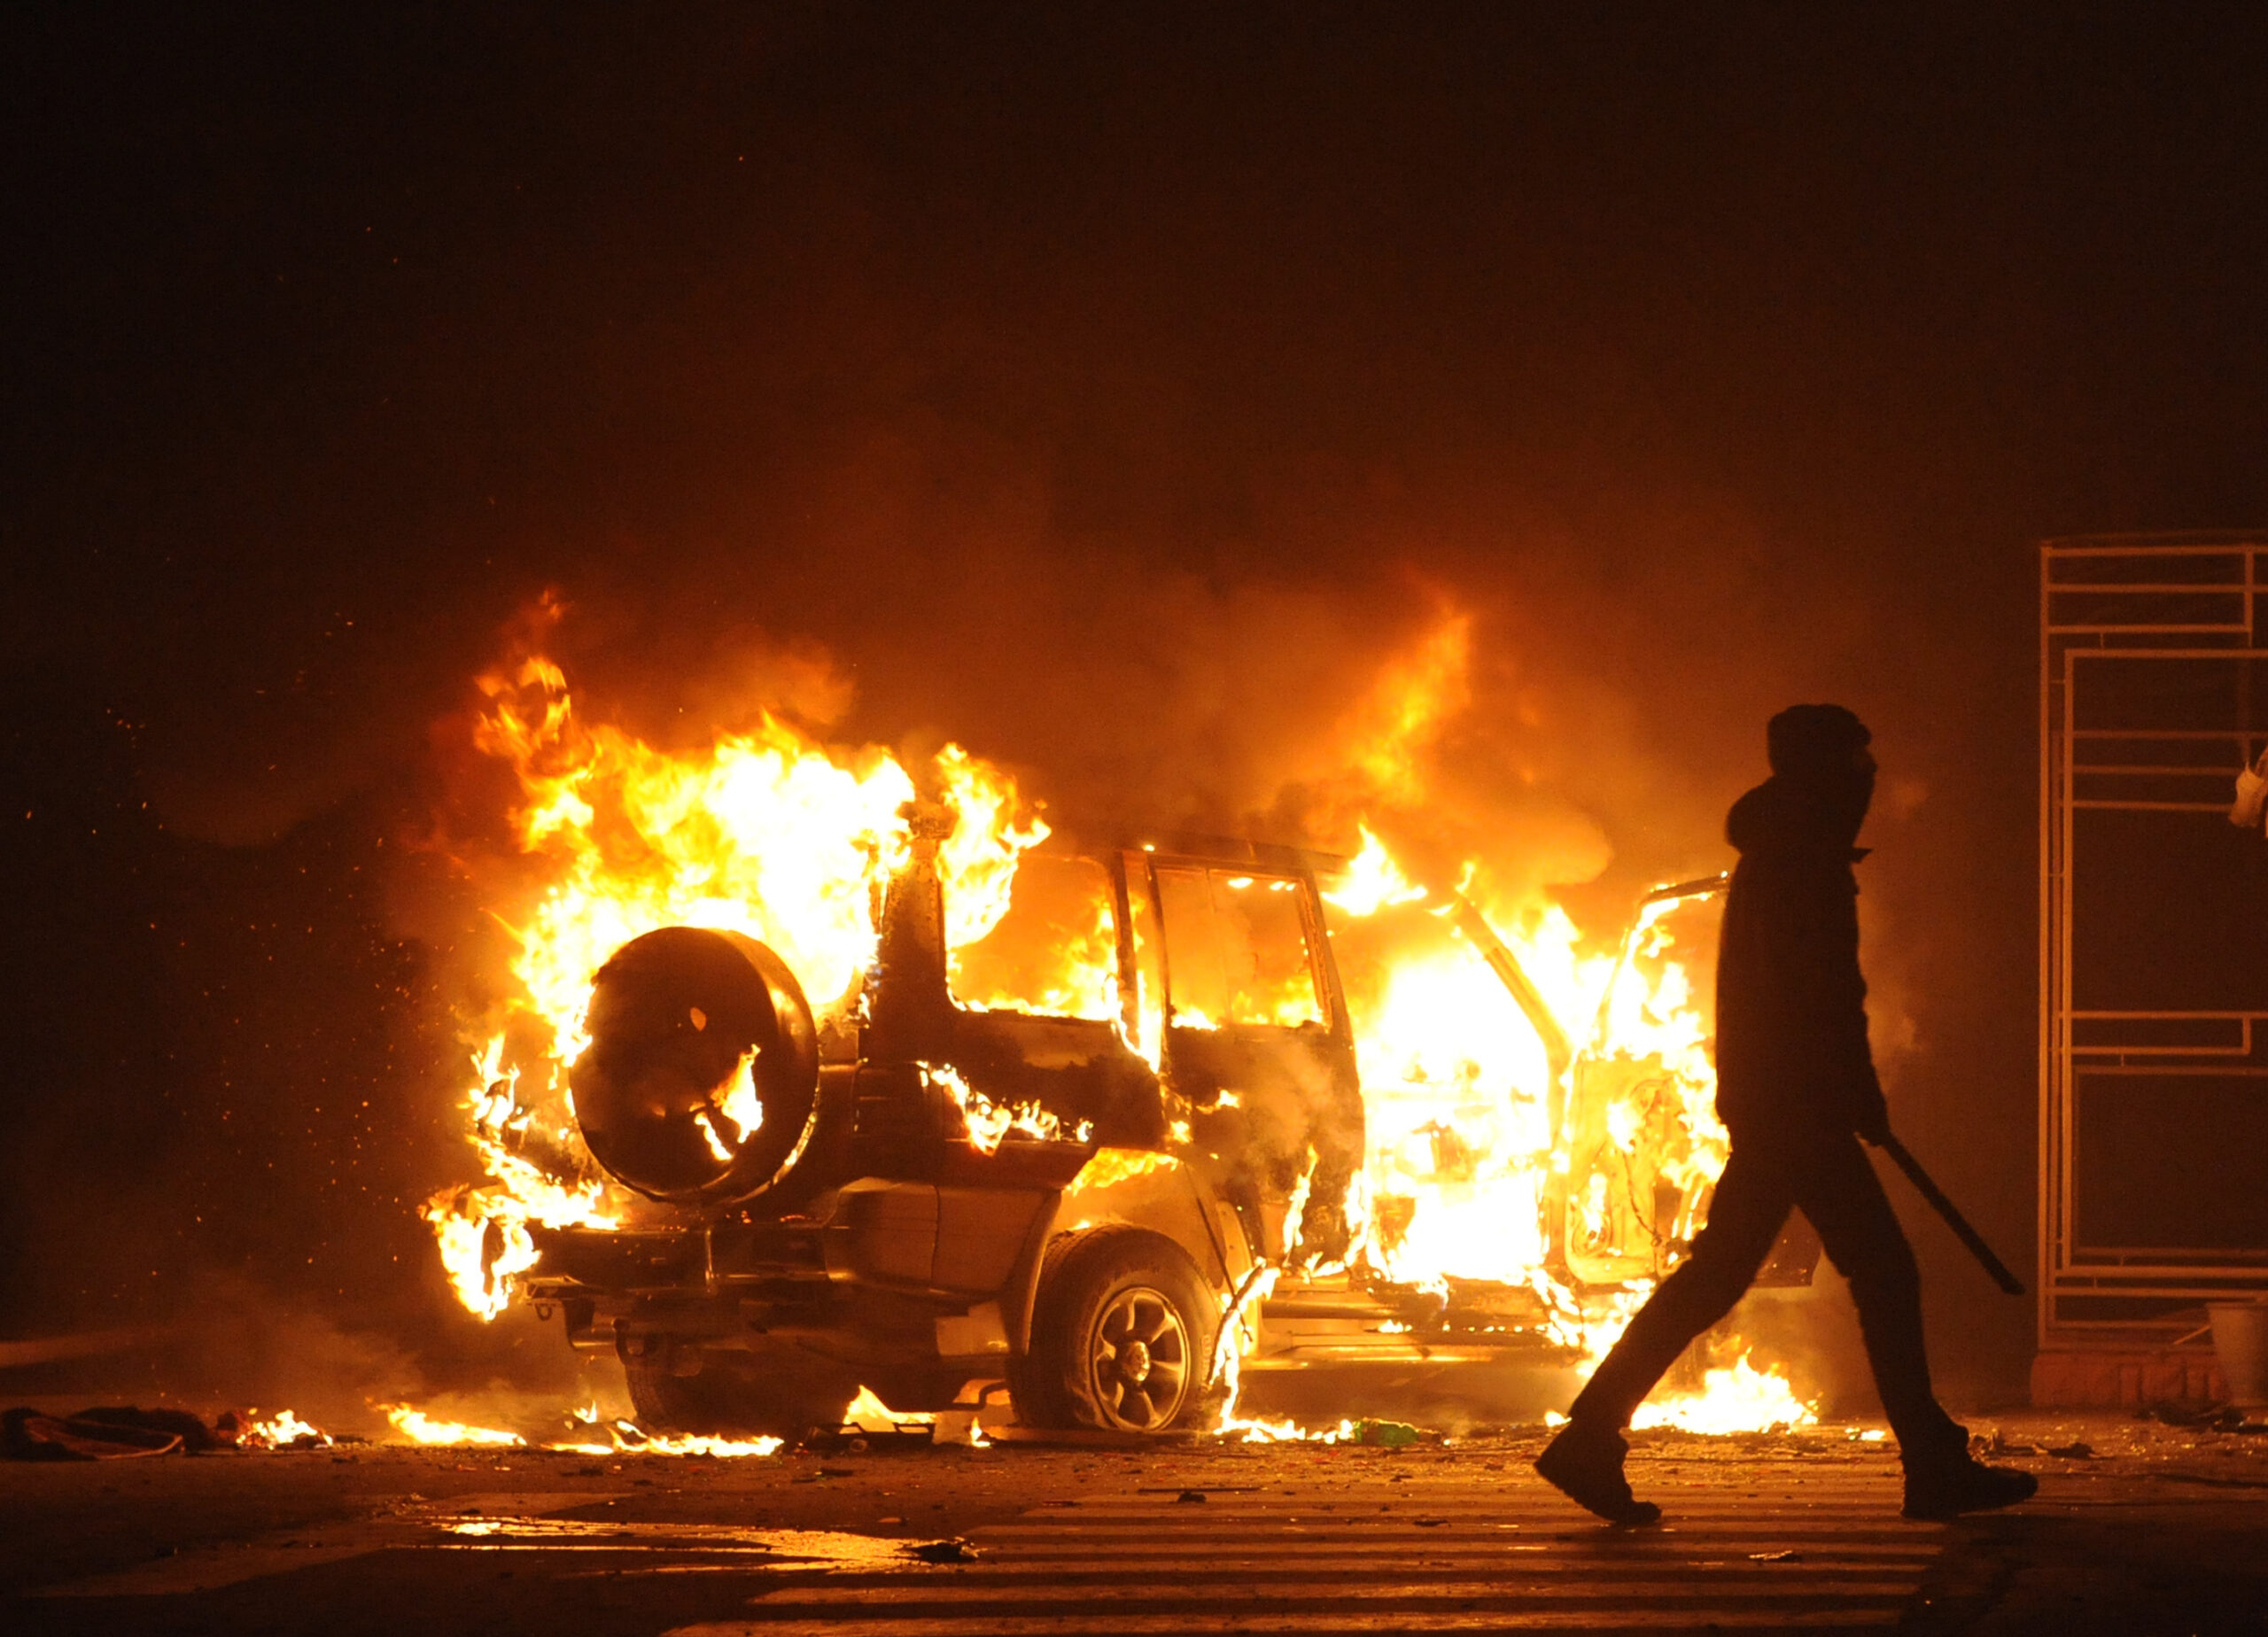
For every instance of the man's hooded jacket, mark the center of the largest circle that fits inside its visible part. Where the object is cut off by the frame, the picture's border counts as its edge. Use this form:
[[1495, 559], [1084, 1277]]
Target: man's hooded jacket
[[1792, 1017]]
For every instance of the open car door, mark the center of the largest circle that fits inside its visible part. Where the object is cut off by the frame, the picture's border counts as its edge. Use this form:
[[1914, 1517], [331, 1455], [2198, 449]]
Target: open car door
[[1638, 1125]]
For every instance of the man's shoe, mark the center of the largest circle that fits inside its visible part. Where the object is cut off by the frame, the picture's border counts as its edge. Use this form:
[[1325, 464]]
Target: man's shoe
[[1939, 1490], [1585, 1465]]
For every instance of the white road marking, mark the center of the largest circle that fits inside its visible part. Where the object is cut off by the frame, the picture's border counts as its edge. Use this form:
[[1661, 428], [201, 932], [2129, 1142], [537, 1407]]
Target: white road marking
[[1793, 1552]]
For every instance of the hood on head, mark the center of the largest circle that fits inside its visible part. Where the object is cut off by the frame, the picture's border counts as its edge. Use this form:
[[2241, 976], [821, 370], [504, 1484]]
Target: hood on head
[[1813, 740]]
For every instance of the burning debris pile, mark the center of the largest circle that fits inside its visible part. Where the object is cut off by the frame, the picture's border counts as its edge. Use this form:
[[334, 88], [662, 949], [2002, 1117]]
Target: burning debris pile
[[837, 998]]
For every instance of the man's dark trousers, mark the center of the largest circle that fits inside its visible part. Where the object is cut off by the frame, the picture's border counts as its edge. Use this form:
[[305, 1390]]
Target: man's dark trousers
[[1827, 1176]]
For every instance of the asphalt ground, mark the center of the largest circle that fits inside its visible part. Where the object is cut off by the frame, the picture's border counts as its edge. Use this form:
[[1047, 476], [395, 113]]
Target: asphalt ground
[[2139, 1528]]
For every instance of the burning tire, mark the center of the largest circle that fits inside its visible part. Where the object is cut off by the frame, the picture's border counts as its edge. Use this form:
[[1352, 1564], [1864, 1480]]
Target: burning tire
[[774, 1394], [703, 1068], [1123, 1335]]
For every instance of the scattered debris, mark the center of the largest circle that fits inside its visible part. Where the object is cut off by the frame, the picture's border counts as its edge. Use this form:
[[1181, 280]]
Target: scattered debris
[[1999, 1445], [853, 1441], [25, 1436], [1387, 1434], [104, 1433], [954, 1551], [194, 1435], [1175, 1489], [2174, 1414], [2214, 1417]]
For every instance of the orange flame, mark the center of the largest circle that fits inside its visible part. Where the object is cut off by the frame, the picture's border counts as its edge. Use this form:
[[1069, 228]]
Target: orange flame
[[420, 1428], [282, 1431], [987, 1122], [483, 1232], [1737, 1399], [764, 832]]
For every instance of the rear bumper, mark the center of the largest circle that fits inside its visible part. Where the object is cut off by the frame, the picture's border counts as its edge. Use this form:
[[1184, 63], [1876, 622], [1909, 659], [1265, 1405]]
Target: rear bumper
[[718, 1259]]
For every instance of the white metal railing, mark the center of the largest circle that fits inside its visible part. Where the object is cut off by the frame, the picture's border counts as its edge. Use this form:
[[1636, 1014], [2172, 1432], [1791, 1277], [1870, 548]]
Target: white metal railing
[[2165, 637]]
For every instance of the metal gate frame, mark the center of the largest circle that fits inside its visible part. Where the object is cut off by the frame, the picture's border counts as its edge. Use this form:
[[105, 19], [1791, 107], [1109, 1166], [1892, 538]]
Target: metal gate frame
[[2104, 598]]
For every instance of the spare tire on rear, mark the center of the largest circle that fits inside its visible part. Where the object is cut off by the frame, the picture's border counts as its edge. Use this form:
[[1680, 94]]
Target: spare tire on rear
[[703, 1068]]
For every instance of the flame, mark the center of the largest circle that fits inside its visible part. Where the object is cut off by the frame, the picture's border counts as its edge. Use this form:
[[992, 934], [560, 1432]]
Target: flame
[[1060, 956], [483, 1231], [987, 1122], [978, 860], [1454, 1087], [622, 1437], [1458, 1084], [630, 1440], [1239, 1335], [1245, 1429], [960, 1427], [869, 1414], [1458, 1089], [282, 1431], [1373, 880], [1111, 1166], [420, 1428], [1737, 1399], [764, 832]]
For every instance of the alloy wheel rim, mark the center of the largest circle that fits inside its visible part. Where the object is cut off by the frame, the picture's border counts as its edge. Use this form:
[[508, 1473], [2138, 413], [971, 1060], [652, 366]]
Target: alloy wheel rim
[[1139, 1360]]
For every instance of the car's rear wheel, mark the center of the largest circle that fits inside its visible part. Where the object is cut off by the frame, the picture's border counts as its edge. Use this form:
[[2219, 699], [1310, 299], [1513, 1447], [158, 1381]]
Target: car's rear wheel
[[1123, 1335], [774, 1394]]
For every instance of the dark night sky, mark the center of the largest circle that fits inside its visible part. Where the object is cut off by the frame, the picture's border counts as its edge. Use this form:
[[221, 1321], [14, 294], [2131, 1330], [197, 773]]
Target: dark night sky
[[1108, 387]]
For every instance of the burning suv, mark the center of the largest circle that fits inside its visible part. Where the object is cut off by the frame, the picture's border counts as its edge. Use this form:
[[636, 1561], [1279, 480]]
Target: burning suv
[[1111, 1153]]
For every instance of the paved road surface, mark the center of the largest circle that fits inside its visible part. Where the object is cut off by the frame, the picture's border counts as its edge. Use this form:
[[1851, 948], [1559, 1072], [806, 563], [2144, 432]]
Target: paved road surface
[[2159, 1531], [1436, 1554]]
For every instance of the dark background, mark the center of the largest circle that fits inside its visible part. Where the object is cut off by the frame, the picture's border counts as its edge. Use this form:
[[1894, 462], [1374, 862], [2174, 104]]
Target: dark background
[[1113, 389]]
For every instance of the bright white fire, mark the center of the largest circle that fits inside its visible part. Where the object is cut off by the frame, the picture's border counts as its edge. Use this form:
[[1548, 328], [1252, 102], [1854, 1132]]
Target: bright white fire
[[1739, 1398]]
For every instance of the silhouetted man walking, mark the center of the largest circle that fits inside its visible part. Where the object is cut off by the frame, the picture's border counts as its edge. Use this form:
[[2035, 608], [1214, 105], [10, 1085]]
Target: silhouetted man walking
[[1796, 1088]]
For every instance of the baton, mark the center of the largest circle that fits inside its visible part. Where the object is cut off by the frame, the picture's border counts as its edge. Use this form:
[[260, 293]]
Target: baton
[[1954, 1220]]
